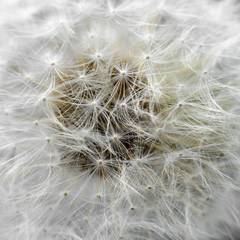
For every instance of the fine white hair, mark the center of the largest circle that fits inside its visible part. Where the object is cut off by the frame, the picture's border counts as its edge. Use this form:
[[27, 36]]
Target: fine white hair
[[119, 119]]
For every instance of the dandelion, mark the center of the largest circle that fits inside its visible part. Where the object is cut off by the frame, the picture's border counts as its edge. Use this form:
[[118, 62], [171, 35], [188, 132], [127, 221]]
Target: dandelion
[[119, 120]]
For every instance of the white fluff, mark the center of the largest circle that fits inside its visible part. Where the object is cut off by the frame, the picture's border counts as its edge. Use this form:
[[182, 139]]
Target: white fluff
[[119, 119]]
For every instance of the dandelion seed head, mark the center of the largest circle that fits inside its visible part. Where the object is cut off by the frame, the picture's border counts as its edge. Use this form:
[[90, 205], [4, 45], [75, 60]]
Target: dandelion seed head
[[119, 120]]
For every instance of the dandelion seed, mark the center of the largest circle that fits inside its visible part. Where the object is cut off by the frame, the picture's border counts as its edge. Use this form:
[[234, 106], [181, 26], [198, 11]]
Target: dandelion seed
[[123, 73], [115, 137], [180, 104], [94, 103]]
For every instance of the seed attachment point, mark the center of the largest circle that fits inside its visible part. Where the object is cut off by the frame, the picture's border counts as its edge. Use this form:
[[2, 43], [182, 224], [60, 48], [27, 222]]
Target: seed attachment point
[[115, 137]]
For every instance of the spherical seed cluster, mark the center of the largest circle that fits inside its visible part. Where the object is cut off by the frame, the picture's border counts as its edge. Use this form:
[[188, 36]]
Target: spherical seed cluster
[[119, 119]]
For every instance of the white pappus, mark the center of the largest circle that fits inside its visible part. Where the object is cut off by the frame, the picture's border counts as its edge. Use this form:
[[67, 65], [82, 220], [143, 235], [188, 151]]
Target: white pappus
[[119, 119]]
